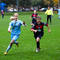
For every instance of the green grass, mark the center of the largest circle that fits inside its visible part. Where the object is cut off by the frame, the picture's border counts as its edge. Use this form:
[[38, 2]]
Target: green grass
[[50, 43]]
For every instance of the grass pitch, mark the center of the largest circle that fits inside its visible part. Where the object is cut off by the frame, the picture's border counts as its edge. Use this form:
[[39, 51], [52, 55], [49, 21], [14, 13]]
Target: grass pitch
[[50, 42]]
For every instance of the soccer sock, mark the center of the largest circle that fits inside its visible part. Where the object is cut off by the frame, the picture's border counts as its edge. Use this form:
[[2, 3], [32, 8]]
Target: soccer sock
[[38, 45], [50, 20], [16, 42], [9, 47]]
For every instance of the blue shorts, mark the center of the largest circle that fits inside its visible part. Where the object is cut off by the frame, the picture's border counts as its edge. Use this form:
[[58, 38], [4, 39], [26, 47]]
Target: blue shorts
[[14, 37]]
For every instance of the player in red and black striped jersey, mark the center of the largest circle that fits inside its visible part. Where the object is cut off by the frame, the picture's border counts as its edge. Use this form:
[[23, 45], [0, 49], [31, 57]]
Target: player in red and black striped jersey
[[34, 15], [38, 30]]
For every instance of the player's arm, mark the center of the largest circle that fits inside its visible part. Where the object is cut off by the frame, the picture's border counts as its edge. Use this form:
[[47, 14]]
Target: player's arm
[[31, 16], [49, 29], [32, 24], [32, 29], [9, 28], [46, 12], [51, 12], [23, 23]]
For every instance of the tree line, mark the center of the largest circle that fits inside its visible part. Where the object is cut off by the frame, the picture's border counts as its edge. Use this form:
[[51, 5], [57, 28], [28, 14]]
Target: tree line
[[29, 3]]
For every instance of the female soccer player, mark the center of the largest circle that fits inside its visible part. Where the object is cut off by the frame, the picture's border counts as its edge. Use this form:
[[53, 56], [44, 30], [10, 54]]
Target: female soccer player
[[49, 13], [34, 15], [39, 31], [15, 29]]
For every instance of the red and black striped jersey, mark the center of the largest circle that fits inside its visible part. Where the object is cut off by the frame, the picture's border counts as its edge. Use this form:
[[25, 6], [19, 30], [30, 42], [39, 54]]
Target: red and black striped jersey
[[39, 27], [34, 15]]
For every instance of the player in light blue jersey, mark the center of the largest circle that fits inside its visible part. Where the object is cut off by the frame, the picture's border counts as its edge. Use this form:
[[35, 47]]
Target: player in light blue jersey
[[15, 29]]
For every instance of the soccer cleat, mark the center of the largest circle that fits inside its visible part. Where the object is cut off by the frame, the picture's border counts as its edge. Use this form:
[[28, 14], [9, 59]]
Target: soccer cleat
[[37, 49], [5, 53]]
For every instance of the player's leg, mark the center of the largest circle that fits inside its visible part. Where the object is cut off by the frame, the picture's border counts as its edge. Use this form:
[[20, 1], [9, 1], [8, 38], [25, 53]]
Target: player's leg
[[2, 16], [36, 36], [17, 44], [47, 18], [38, 44], [50, 19], [15, 38], [10, 45]]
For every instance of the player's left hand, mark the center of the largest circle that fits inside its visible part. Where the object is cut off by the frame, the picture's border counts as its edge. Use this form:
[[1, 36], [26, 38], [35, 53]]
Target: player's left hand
[[24, 22]]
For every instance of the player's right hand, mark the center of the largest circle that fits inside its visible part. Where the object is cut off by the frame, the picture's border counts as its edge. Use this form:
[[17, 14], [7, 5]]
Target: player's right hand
[[9, 31]]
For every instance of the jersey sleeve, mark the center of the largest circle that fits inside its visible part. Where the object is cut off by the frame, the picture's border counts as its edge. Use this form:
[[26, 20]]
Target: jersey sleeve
[[21, 22], [46, 12], [32, 15], [45, 24], [10, 24], [51, 12], [33, 27]]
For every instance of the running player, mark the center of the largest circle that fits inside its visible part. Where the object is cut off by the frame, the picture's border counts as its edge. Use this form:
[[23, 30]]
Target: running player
[[39, 31], [15, 29], [34, 15]]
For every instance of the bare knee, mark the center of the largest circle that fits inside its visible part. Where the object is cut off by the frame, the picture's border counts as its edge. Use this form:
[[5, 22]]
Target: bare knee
[[38, 39], [11, 42]]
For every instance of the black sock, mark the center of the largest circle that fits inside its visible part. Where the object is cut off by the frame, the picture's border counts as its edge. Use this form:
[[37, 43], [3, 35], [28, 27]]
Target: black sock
[[38, 45]]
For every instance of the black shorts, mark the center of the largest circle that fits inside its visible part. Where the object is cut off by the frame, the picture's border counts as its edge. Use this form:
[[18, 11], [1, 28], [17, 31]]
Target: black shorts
[[48, 17], [38, 34]]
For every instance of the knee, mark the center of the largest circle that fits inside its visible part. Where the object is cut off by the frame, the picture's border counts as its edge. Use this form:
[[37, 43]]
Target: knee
[[37, 40], [11, 42]]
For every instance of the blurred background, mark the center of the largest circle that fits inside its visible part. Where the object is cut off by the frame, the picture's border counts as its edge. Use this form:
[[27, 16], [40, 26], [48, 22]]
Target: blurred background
[[28, 5]]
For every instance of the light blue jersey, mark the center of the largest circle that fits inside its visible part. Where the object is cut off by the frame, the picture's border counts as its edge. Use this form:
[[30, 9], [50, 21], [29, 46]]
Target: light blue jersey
[[58, 11], [16, 26]]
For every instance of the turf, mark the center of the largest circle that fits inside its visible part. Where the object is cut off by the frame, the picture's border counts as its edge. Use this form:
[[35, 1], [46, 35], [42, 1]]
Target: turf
[[50, 43]]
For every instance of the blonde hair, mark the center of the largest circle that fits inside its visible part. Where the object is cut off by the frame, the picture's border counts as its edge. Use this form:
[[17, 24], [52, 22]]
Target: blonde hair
[[16, 14], [12, 18]]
